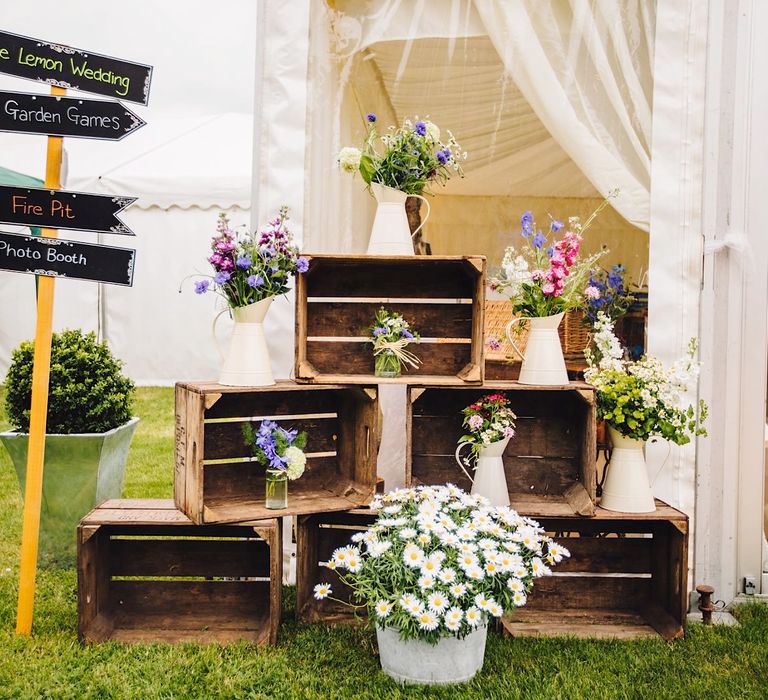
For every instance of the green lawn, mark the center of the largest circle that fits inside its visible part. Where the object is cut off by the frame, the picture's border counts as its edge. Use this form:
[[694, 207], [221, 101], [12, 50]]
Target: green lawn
[[319, 662]]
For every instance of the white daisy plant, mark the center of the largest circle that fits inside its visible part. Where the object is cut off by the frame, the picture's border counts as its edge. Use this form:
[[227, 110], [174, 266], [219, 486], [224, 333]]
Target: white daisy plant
[[447, 563]]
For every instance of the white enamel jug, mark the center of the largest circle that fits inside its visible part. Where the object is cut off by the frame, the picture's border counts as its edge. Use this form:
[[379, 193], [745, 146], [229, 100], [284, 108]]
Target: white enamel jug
[[390, 234], [627, 488], [247, 361], [543, 361], [489, 480]]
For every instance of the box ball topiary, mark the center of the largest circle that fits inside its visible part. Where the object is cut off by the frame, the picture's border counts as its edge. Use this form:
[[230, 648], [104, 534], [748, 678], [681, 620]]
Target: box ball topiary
[[87, 392]]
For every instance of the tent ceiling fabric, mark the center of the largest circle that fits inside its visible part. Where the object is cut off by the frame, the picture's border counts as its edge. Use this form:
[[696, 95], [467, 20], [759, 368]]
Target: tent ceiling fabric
[[510, 150]]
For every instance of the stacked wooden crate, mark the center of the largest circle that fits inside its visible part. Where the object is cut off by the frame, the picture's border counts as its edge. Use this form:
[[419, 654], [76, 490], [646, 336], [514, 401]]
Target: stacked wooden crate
[[631, 570]]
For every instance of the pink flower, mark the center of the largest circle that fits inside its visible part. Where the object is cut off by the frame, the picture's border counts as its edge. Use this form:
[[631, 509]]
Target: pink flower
[[509, 432], [494, 344], [549, 289], [592, 292], [537, 275], [475, 422]]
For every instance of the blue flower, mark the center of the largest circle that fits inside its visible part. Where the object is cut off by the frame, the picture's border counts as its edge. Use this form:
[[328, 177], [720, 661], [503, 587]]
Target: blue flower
[[555, 226], [371, 117], [443, 155], [406, 334], [244, 262], [421, 128], [201, 287], [550, 251], [290, 435], [222, 277], [539, 240], [255, 281], [526, 221], [302, 264], [379, 331]]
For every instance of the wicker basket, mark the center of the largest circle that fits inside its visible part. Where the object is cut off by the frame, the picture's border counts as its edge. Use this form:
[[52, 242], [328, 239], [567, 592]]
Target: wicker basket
[[574, 335]]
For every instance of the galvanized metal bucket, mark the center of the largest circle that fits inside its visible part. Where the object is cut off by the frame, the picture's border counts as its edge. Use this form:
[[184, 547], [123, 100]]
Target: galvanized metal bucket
[[451, 660]]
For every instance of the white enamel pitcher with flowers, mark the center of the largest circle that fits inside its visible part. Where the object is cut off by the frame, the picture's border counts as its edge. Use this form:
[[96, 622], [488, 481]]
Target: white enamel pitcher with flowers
[[391, 234], [489, 480], [543, 361]]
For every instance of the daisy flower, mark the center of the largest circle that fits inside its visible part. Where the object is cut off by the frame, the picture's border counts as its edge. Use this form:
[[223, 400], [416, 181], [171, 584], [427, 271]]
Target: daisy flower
[[450, 540], [495, 609], [393, 509], [491, 568], [407, 533], [520, 571], [458, 590], [482, 601], [383, 608], [519, 599], [428, 621], [431, 567], [539, 568], [437, 602], [407, 601], [486, 544], [424, 538], [475, 573], [426, 582], [465, 533], [447, 575], [468, 560], [473, 616], [515, 585], [453, 618], [413, 556], [322, 590], [354, 564], [467, 547], [331, 564]]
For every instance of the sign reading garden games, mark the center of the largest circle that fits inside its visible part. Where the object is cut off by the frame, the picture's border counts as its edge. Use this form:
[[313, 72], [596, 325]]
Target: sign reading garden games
[[66, 67], [25, 113]]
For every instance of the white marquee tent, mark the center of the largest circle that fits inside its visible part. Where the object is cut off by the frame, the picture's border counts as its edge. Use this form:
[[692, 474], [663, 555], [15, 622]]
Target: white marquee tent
[[561, 100]]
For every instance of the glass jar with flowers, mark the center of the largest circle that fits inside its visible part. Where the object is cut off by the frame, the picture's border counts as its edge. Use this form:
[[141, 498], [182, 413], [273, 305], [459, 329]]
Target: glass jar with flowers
[[390, 335], [281, 451], [436, 567], [543, 279], [401, 163], [250, 270], [489, 424], [640, 401]]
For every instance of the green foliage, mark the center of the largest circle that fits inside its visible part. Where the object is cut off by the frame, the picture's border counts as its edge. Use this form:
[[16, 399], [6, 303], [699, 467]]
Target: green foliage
[[87, 394]]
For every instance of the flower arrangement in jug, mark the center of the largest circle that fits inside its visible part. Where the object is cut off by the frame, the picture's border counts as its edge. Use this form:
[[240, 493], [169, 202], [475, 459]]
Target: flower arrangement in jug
[[408, 158], [606, 291], [642, 399], [281, 451], [545, 275], [488, 420], [439, 562], [390, 334], [252, 266]]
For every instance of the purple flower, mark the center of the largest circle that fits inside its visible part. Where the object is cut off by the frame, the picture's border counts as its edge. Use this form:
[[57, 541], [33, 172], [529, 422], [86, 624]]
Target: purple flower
[[406, 334], [201, 286], [255, 281], [244, 262], [526, 221], [555, 226], [379, 331], [302, 265], [371, 117], [550, 251], [222, 277], [475, 422], [443, 155], [421, 128], [539, 240]]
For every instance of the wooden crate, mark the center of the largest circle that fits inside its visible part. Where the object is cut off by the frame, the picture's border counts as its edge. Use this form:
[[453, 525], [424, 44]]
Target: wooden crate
[[626, 578], [317, 536], [443, 298], [216, 479], [549, 464], [146, 573]]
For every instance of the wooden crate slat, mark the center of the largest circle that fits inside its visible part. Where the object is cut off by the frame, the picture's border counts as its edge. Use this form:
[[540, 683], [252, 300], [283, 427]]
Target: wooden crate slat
[[607, 554], [213, 557], [168, 580], [618, 592], [399, 277], [339, 319], [442, 297], [584, 624], [222, 482]]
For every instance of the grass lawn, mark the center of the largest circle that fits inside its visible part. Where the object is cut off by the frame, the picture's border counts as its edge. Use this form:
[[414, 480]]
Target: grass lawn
[[319, 662]]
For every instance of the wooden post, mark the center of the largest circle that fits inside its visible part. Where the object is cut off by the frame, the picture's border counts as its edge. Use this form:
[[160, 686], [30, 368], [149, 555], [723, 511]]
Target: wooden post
[[36, 450]]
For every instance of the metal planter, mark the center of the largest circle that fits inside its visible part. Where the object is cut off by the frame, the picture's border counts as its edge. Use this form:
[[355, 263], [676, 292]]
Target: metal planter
[[80, 471]]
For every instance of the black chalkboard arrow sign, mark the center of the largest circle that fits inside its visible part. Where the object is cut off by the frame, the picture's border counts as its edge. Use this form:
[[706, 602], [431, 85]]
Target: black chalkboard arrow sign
[[72, 211], [66, 67], [55, 257], [25, 113]]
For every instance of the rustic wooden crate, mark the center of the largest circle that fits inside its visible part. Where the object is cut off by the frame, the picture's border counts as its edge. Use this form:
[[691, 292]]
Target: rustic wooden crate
[[626, 578], [317, 536], [549, 464], [146, 573], [442, 297], [216, 479]]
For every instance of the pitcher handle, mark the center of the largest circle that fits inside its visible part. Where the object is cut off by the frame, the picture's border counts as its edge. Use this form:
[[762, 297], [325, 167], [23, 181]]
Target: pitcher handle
[[424, 220], [213, 331], [458, 460], [508, 333]]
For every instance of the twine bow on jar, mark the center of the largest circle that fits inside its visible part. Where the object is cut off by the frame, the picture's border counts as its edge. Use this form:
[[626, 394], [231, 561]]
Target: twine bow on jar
[[397, 348]]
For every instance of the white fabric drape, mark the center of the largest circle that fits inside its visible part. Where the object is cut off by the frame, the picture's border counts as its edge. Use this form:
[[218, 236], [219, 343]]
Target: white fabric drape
[[585, 69]]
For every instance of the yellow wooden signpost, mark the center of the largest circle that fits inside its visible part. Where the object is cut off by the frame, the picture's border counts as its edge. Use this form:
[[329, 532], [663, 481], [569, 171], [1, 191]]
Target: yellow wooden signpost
[[33, 491]]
